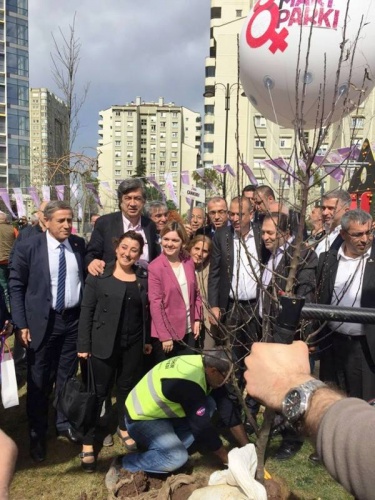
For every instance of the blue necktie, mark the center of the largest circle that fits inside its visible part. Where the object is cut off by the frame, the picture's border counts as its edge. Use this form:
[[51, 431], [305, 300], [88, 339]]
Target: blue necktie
[[60, 300]]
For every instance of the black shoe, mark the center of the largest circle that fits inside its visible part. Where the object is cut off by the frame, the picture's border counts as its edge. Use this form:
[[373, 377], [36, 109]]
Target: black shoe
[[38, 450], [314, 458], [88, 466], [69, 434], [287, 450]]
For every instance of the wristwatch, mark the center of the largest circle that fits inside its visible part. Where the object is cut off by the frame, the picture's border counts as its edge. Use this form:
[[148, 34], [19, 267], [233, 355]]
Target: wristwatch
[[297, 400]]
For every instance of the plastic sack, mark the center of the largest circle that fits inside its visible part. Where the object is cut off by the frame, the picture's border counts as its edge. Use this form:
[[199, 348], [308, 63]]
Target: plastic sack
[[9, 389], [237, 482]]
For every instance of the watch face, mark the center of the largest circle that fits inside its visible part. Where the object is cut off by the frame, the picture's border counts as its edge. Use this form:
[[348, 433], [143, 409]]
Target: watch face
[[292, 404]]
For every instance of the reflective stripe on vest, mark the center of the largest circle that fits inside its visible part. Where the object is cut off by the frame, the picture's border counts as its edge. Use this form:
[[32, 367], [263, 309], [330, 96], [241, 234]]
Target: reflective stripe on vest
[[147, 401], [163, 406]]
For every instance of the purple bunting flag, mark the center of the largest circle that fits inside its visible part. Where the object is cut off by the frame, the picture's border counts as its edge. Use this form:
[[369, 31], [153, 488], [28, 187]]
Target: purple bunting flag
[[19, 202], [60, 188], [90, 186], [34, 195], [5, 196], [250, 174]]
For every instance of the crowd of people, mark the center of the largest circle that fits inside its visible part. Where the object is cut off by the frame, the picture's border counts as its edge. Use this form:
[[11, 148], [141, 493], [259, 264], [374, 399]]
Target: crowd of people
[[147, 292]]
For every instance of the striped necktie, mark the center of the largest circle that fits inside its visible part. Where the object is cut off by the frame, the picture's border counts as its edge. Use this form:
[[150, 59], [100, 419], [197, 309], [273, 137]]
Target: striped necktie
[[60, 299]]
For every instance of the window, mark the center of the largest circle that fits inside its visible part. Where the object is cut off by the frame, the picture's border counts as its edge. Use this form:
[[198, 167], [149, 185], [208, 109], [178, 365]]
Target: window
[[118, 113], [117, 172], [260, 143], [162, 144], [117, 154], [143, 141], [162, 163], [130, 172], [209, 109], [357, 122], [216, 13], [117, 123], [153, 156], [143, 131], [118, 143], [162, 154], [174, 114], [129, 163], [153, 138], [153, 128], [174, 124], [174, 144], [129, 154], [143, 150], [143, 161], [129, 124], [238, 13], [143, 121], [210, 71], [174, 154], [130, 113], [174, 164], [162, 124], [118, 133], [129, 133], [285, 142], [260, 121], [163, 114], [118, 163], [129, 144], [208, 147], [174, 134], [209, 128]]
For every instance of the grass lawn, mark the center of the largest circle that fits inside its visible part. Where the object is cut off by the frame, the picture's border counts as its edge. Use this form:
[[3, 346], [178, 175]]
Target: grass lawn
[[60, 477]]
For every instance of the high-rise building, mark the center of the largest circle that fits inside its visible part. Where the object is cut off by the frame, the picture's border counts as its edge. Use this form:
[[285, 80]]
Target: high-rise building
[[229, 115], [14, 94], [49, 138], [155, 138]]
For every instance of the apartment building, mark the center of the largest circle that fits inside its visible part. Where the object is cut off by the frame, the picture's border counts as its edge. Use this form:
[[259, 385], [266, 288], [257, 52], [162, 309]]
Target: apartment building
[[161, 138], [49, 138], [14, 94], [229, 114]]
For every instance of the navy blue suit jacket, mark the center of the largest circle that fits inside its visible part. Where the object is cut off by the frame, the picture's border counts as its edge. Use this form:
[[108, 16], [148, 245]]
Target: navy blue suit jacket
[[30, 284]]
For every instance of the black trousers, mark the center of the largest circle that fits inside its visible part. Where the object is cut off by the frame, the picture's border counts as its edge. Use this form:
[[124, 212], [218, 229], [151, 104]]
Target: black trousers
[[185, 346], [125, 366], [242, 327], [48, 365], [355, 370]]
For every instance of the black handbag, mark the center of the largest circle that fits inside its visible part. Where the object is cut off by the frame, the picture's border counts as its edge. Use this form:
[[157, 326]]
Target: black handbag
[[77, 400]]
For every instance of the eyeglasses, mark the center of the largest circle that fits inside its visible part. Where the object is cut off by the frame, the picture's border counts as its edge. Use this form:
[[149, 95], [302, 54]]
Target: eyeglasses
[[357, 236], [212, 213]]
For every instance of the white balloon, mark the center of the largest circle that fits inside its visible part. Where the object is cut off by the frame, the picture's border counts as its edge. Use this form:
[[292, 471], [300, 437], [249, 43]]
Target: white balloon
[[290, 55]]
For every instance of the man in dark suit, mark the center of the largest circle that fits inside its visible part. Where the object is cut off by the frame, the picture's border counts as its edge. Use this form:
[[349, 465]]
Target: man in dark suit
[[217, 210], [233, 282], [46, 282], [278, 240], [100, 249], [346, 277]]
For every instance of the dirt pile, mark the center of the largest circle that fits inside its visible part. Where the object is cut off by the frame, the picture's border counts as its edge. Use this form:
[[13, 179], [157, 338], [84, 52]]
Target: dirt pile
[[147, 487]]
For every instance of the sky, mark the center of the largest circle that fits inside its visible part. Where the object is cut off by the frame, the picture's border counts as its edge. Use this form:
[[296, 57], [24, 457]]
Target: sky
[[129, 48]]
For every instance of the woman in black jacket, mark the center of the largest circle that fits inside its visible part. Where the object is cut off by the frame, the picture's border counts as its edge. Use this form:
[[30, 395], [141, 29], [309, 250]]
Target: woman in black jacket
[[114, 330]]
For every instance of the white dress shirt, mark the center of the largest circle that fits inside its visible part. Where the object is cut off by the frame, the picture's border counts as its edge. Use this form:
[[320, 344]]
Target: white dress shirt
[[72, 281], [348, 289], [325, 244], [244, 279]]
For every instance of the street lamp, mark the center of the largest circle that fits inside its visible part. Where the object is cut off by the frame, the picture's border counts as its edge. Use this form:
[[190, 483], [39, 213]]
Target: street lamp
[[210, 92]]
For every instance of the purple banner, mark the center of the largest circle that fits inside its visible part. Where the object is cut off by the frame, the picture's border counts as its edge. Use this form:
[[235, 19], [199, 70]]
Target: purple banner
[[90, 186], [60, 192], [185, 177], [336, 172], [34, 196], [169, 184], [19, 202], [230, 170], [250, 174], [46, 193], [152, 181], [5, 196]]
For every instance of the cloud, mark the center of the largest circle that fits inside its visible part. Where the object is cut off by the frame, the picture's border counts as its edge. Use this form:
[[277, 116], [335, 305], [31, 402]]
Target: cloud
[[129, 48]]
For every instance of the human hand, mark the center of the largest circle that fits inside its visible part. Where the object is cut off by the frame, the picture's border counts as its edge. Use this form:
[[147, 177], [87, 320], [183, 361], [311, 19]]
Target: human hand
[[83, 355], [196, 329], [167, 345], [274, 369], [8, 329], [147, 349], [188, 229], [214, 316], [96, 267], [24, 337]]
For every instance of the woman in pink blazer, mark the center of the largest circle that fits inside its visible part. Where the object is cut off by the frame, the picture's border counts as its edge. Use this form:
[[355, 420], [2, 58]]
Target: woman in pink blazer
[[175, 302]]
